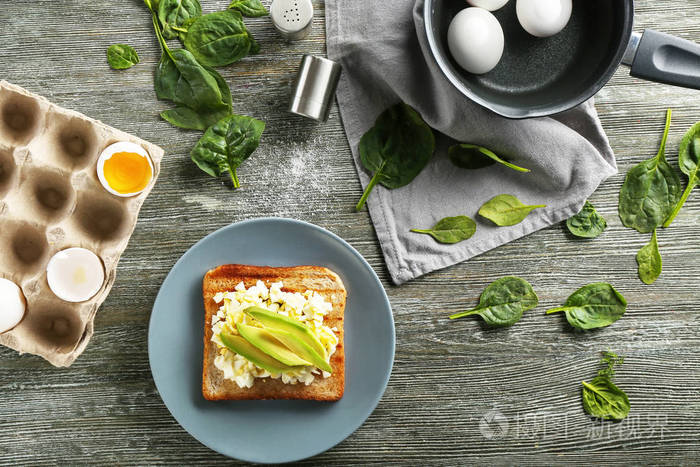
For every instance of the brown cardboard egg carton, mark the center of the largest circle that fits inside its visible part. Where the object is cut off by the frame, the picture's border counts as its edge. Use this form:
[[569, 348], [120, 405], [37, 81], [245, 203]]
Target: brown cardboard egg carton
[[50, 200]]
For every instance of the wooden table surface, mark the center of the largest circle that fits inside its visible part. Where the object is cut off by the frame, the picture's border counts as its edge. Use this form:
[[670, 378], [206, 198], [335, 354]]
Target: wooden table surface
[[450, 378]]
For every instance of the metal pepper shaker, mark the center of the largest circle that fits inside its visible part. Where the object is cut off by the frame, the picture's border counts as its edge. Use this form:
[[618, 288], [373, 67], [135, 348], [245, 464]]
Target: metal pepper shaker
[[292, 18], [315, 87]]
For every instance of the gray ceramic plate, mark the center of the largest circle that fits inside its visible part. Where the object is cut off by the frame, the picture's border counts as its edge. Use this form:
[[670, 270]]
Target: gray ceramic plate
[[270, 431]]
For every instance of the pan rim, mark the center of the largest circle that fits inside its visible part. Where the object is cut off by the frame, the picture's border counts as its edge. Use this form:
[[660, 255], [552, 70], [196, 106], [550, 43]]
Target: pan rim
[[544, 111]]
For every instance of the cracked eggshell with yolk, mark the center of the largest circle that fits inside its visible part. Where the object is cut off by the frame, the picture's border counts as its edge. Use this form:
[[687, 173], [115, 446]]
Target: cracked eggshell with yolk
[[124, 169]]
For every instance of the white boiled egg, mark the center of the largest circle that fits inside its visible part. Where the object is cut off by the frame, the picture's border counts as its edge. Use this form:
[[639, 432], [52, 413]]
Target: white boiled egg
[[491, 5], [475, 40], [543, 18], [75, 274], [12, 305]]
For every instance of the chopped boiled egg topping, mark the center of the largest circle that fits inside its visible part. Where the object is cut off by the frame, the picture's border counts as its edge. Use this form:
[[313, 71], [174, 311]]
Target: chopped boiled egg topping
[[309, 308]]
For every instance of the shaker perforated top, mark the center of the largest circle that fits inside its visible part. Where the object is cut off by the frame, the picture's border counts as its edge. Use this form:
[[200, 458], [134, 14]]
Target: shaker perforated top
[[292, 18]]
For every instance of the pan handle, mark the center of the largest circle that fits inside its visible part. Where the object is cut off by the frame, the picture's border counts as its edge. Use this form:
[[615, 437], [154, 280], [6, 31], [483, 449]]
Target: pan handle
[[663, 58]]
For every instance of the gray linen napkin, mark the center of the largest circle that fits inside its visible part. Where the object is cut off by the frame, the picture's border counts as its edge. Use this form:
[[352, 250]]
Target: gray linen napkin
[[385, 58]]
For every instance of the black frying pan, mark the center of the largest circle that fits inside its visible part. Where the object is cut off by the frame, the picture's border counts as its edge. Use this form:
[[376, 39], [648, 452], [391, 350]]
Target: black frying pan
[[544, 76]]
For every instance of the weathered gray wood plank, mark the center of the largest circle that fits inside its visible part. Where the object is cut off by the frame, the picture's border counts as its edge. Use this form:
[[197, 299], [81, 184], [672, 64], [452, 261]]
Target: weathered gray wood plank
[[447, 375]]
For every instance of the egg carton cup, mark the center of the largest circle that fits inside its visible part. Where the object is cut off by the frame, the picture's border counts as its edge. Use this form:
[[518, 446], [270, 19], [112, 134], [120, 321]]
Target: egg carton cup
[[51, 199]]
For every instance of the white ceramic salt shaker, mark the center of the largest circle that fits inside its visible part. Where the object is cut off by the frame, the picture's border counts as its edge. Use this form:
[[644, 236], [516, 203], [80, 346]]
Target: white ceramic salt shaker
[[292, 18]]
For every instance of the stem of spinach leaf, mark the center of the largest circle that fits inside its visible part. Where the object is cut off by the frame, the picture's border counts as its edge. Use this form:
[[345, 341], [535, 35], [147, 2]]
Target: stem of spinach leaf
[[681, 202], [368, 190], [493, 156], [556, 310], [159, 34], [662, 149], [515, 167], [462, 314], [234, 177]]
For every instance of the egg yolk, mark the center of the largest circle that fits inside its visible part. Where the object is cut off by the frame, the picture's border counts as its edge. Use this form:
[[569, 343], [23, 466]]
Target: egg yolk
[[127, 172]]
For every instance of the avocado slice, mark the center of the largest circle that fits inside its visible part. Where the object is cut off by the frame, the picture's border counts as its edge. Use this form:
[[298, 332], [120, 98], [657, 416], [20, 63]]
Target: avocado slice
[[300, 348], [256, 356], [266, 342], [273, 320]]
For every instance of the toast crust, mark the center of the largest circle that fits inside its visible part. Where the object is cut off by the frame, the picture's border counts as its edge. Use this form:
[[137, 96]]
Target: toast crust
[[294, 279]]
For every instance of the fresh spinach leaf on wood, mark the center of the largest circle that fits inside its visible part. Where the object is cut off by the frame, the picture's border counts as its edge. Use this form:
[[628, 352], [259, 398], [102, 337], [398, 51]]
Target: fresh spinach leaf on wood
[[252, 8], [689, 160], [182, 30], [173, 14], [451, 229], [121, 56], [587, 223], [503, 302], [226, 144], [219, 38], [184, 117], [601, 398], [506, 210], [650, 191], [471, 156], [649, 261], [181, 79], [202, 94], [593, 306], [395, 149]]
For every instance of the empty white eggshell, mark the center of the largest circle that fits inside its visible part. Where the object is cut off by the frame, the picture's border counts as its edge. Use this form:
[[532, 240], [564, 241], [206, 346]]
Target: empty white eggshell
[[475, 39], [543, 18], [12, 305], [75, 274], [491, 5]]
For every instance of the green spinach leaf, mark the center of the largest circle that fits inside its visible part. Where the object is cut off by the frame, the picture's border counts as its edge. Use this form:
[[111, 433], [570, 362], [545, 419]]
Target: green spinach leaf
[[219, 38], [593, 306], [181, 79], [184, 117], [396, 148], [202, 93], [601, 398], [172, 15], [226, 144], [471, 156], [503, 302], [182, 30], [252, 8], [587, 223], [121, 56], [649, 261], [451, 229], [689, 160], [505, 210], [650, 191]]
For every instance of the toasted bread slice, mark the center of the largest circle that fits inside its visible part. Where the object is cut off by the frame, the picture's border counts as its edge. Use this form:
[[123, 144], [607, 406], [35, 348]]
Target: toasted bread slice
[[294, 279]]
